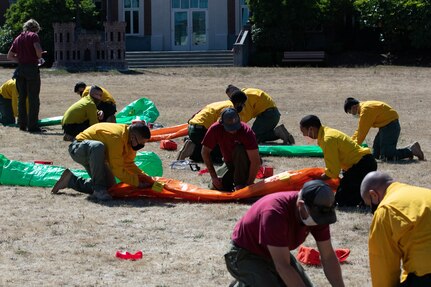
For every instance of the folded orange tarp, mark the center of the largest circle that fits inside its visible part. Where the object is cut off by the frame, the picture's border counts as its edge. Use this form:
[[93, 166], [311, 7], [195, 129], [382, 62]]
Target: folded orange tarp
[[285, 181], [169, 133]]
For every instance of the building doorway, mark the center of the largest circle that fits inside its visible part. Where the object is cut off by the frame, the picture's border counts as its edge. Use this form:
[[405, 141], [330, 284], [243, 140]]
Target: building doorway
[[189, 25]]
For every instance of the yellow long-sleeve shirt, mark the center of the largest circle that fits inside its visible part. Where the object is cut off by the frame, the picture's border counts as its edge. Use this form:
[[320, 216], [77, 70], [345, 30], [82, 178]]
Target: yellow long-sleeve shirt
[[373, 114], [339, 151], [118, 151], [8, 91], [400, 231], [106, 96], [81, 111], [210, 114], [257, 102]]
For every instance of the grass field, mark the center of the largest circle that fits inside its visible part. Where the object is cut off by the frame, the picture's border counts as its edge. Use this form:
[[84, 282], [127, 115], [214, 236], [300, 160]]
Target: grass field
[[66, 240]]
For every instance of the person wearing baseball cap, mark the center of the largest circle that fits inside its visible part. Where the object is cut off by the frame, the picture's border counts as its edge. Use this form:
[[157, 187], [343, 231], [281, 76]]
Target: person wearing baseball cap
[[238, 146], [276, 224]]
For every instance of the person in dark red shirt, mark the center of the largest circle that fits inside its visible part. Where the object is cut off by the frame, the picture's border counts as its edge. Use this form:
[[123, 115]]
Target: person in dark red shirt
[[27, 52], [276, 224], [238, 146]]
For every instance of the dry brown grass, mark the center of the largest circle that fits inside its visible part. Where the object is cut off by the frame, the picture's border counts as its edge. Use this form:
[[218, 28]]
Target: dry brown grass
[[66, 240]]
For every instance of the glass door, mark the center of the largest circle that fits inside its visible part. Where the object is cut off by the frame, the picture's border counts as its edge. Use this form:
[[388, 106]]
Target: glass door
[[199, 30], [181, 39], [189, 25]]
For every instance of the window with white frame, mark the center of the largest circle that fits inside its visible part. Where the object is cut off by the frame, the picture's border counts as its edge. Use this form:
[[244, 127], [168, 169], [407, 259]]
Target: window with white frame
[[186, 4], [245, 12], [131, 16]]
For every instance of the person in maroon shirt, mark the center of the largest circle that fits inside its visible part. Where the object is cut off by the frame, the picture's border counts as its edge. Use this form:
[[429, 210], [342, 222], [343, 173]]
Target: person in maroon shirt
[[274, 225], [27, 52], [238, 146]]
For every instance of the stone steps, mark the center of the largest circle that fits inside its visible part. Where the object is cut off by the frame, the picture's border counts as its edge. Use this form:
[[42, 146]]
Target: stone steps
[[155, 59]]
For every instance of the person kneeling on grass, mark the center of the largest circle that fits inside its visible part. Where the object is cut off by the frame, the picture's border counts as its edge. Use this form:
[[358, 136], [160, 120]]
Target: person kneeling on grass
[[276, 224], [341, 155], [376, 114], [106, 150], [106, 104], [238, 146], [82, 114]]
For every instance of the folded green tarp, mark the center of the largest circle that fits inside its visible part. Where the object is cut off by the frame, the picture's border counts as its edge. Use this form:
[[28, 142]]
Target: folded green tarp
[[292, 150], [31, 174], [53, 121], [142, 109]]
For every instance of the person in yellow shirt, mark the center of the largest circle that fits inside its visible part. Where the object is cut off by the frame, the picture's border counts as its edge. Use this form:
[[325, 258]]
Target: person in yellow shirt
[[341, 155], [261, 106], [376, 114], [8, 102], [200, 123], [107, 103], [106, 150], [399, 244], [82, 114]]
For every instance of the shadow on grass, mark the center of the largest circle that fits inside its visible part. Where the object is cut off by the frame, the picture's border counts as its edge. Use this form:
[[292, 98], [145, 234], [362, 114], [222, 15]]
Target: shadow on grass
[[137, 202], [355, 209], [161, 202], [403, 161]]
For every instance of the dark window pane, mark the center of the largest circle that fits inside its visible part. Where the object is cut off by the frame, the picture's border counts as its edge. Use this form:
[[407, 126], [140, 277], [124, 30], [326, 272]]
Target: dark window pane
[[127, 20], [135, 22]]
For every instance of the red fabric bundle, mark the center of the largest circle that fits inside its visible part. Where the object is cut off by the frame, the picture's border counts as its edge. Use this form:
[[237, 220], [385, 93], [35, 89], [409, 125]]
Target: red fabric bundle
[[168, 145], [310, 256]]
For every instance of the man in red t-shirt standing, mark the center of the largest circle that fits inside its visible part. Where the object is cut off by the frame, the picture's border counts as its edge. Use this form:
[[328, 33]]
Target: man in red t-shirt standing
[[27, 52], [238, 146], [274, 225]]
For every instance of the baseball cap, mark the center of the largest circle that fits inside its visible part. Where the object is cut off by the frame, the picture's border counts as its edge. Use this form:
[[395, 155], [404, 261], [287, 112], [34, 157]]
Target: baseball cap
[[230, 120], [320, 201]]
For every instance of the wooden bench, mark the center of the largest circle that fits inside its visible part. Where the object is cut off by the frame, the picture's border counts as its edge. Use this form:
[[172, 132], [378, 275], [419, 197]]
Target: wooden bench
[[5, 62], [304, 57]]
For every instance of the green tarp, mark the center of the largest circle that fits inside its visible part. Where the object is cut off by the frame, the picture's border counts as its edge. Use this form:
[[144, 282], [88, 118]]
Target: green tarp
[[53, 121], [292, 150], [142, 109], [30, 174]]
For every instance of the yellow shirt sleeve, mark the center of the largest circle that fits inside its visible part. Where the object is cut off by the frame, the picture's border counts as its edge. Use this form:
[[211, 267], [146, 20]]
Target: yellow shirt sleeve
[[121, 161], [331, 158], [384, 254], [367, 117], [373, 114]]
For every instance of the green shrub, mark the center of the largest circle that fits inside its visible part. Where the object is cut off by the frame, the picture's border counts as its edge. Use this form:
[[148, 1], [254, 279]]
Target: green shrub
[[47, 12], [403, 23]]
